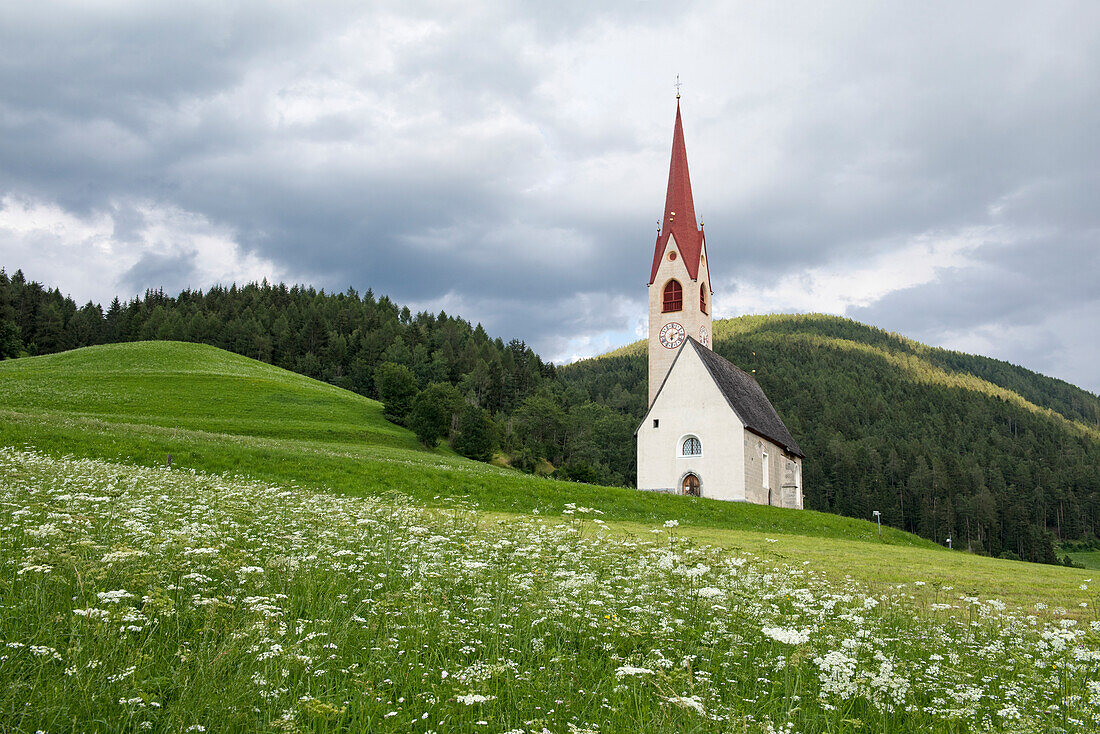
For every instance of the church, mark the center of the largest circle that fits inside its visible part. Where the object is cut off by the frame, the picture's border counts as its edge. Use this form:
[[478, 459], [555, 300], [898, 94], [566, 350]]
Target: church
[[710, 431]]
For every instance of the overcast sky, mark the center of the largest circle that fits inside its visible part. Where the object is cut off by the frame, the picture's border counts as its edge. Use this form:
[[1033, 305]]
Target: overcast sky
[[929, 168]]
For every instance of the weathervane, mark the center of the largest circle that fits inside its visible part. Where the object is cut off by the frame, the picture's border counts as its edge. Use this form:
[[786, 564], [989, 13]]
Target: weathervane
[[677, 85]]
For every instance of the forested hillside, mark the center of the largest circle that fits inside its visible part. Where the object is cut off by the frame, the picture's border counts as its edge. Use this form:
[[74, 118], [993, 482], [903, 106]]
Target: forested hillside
[[944, 444]]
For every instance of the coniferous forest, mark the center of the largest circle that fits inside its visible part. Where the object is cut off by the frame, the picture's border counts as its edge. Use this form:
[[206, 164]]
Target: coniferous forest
[[944, 444]]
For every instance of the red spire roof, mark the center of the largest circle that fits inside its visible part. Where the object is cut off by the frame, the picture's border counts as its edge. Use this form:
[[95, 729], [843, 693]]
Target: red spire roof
[[679, 219]]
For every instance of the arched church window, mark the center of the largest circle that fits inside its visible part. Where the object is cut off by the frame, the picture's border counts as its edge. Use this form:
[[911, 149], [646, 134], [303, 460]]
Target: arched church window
[[673, 297], [692, 447], [703, 297]]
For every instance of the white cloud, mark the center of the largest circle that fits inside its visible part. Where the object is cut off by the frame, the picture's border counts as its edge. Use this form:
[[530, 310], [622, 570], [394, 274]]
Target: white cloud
[[851, 282], [90, 257]]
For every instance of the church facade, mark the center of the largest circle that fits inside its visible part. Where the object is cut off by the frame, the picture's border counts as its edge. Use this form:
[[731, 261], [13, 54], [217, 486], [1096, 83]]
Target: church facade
[[710, 430]]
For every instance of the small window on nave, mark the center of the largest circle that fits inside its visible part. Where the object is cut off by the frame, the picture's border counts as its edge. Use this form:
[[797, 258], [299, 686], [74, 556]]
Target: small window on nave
[[673, 297], [692, 447]]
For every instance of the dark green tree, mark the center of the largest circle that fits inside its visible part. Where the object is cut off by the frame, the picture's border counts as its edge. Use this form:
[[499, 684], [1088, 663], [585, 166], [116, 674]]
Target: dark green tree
[[396, 385], [433, 412], [10, 344], [474, 438]]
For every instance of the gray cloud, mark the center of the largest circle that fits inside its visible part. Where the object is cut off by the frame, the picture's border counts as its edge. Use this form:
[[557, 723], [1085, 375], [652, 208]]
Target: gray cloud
[[511, 158], [173, 272]]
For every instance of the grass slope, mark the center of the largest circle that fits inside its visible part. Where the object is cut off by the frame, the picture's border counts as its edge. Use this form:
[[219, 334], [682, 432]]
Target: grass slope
[[1086, 559], [194, 387], [219, 412]]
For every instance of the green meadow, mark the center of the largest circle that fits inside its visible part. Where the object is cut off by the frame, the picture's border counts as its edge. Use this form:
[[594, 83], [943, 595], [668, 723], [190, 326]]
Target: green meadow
[[1086, 559], [305, 565]]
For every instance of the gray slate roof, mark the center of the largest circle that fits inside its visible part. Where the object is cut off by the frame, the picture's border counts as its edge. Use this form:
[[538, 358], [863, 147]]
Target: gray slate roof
[[747, 398]]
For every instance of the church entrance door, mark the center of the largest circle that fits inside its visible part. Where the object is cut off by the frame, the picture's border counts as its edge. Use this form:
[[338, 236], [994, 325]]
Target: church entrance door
[[691, 485]]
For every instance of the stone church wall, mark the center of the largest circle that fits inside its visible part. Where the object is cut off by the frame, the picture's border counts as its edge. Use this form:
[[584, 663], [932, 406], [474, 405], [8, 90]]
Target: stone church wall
[[784, 474]]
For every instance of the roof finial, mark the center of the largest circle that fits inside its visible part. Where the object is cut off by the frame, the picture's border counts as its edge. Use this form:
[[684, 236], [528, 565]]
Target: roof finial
[[677, 85]]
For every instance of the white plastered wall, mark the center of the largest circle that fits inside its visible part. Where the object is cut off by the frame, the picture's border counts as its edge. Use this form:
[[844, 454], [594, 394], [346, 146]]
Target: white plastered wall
[[691, 404]]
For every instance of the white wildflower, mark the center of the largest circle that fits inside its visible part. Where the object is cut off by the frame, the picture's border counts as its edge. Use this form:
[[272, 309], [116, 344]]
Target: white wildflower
[[624, 670], [837, 673], [694, 703], [787, 636], [123, 555], [114, 597]]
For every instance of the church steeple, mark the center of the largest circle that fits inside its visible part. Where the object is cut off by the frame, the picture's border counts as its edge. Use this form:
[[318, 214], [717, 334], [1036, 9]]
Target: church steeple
[[679, 283], [710, 430], [679, 219]]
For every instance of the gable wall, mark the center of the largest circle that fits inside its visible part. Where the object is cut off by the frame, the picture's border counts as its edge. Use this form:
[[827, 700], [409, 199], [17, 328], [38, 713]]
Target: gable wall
[[690, 403]]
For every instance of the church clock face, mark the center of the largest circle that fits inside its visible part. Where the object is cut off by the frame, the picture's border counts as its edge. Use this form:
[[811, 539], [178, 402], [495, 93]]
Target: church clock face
[[672, 335], [704, 337]]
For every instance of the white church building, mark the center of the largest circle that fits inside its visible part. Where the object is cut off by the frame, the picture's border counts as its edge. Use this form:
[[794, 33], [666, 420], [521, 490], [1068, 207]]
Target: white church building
[[710, 431]]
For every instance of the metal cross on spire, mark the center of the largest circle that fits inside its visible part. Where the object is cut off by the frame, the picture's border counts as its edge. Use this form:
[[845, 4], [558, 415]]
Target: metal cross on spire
[[677, 85]]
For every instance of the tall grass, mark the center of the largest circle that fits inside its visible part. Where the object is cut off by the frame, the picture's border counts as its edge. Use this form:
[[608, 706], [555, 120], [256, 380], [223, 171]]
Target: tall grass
[[145, 599]]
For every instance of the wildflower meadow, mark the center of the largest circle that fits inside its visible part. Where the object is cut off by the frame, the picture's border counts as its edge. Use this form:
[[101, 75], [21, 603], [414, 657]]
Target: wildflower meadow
[[163, 600]]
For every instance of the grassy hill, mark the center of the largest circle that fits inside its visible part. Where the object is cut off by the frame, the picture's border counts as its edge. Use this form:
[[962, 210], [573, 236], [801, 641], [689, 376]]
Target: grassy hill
[[944, 444], [195, 387], [307, 566]]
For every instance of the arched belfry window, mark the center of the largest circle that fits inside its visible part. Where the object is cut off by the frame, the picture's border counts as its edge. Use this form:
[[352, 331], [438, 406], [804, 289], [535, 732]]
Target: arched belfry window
[[673, 297], [703, 297], [691, 447]]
